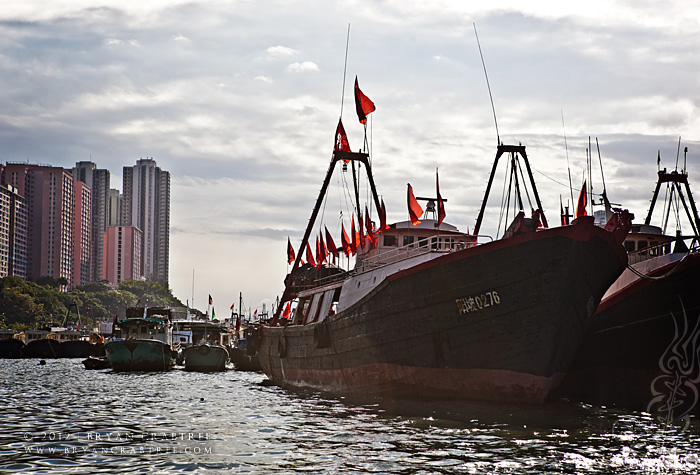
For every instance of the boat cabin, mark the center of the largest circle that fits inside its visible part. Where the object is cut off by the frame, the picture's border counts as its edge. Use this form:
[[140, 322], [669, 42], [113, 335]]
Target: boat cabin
[[646, 241], [328, 290]]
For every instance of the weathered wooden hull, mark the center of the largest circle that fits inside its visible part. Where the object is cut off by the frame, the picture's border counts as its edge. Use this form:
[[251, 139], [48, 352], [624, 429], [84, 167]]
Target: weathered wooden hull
[[80, 349], [205, 358], [139, 355], [417, 334], [642, 342], [43, 348], [11, 348]]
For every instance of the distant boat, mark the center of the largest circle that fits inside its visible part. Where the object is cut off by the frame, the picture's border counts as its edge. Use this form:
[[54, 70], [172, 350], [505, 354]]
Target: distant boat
[[244, 355], [96, 362], [642, 351], [205, 357], [10, 347], [142, 341], [430, 313]]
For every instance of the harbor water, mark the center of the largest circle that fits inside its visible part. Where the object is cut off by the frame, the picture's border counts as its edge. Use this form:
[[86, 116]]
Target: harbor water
[[61, 418]]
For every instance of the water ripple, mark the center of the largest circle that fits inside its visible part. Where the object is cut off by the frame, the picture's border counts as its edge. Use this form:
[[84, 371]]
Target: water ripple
[[61, 418]]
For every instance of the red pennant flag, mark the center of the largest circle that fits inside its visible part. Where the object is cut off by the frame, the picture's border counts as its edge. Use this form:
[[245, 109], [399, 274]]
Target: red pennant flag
[[330, 244], [324, 249], [319, 254], [353, 239], [232, 305], [361, 231], [440, 203], [210, 300], [310, 255], [363, 105], [287, 311], [290, 252], [341, 139], [368, 225], [582, 201], [345, 241], [414, 209], [382, 218]]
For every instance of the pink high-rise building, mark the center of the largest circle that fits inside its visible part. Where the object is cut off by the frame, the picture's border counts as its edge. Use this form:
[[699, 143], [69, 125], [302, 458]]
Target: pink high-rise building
[[122, 253], [82, 236]]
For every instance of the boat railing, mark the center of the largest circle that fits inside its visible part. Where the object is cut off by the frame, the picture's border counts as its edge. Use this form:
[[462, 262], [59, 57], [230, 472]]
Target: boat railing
[[427, 245], [660, 249]]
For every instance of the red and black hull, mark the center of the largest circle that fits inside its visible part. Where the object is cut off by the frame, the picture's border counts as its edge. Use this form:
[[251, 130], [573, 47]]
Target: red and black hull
[[643, 346], [412, 335]]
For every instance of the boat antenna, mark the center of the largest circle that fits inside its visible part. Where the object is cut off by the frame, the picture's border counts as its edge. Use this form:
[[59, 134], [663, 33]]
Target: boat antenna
[[345, 69], [678, 152], [566, 147], [498, 137]]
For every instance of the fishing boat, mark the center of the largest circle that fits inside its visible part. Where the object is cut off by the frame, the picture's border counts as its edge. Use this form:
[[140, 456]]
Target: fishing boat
[[641, 351], [205, 357], [203, 344], [10, 347], [432, 312], [142, 341]]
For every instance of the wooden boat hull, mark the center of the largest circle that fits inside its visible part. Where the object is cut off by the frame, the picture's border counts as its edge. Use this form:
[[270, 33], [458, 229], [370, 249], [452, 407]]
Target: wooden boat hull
[[11, 348], [205, 358], [642, 341], [42, 348], [243, 361], [80, 349], [499, 321], [139, 355]]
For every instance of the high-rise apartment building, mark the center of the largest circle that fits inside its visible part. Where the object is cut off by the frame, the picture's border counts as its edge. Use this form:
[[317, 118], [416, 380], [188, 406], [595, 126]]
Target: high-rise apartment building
[[114, 208], [83, 269], [146, 205], [122, 253], [13, 232], [50, 196], [98, 181]]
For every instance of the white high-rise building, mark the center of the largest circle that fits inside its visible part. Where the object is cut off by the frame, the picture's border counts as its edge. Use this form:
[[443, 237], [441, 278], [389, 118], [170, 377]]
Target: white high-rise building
[[146, 205]]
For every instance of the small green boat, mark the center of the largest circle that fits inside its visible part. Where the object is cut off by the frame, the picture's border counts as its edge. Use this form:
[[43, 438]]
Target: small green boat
[[142, 341], [205, 358]]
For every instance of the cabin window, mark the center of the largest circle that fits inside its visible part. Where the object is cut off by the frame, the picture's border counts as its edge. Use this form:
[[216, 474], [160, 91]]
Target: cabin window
[[422, 241], [629, 246], [407, 240], [434, 243], [142, 329], [642, 245], [389, 240]]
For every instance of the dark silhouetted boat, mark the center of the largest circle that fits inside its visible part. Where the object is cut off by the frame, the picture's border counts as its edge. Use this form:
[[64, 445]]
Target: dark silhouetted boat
[[642, 351], [431, 313]]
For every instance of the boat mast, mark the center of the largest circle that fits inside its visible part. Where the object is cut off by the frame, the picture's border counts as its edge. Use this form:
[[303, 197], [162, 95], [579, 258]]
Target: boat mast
[[676, 179], [514, 149], [337, 156]]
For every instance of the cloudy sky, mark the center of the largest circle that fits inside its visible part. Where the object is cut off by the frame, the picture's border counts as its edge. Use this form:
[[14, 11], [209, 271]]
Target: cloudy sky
[[239, 101]]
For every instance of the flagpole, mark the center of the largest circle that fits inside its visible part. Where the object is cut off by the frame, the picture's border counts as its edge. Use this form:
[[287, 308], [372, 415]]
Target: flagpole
[[345, 68]]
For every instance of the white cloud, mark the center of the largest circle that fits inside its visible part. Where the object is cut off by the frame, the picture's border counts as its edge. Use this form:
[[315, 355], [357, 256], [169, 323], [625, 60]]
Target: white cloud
[[302, 67], [281, 51]]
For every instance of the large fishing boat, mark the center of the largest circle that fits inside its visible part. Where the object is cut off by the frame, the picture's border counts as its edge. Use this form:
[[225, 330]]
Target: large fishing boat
[[641, 351], [428, 311]]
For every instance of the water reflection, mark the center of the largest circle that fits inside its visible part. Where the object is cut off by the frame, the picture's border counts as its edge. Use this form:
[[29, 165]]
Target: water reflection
[[64, 419]]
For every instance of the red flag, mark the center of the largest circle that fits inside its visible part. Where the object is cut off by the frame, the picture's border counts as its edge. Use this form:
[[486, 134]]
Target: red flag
[[320, 257], [414, 209], [287, 311], [324, 249], [361, 231], [330, 244], [210, 300], [363, 105], [582, 201], [345, 241], [310, 255], [382, 218], [255, 313], [232, 305], [341, 139], [440, 203], [290, 252], [368, 225], [353, 238]]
